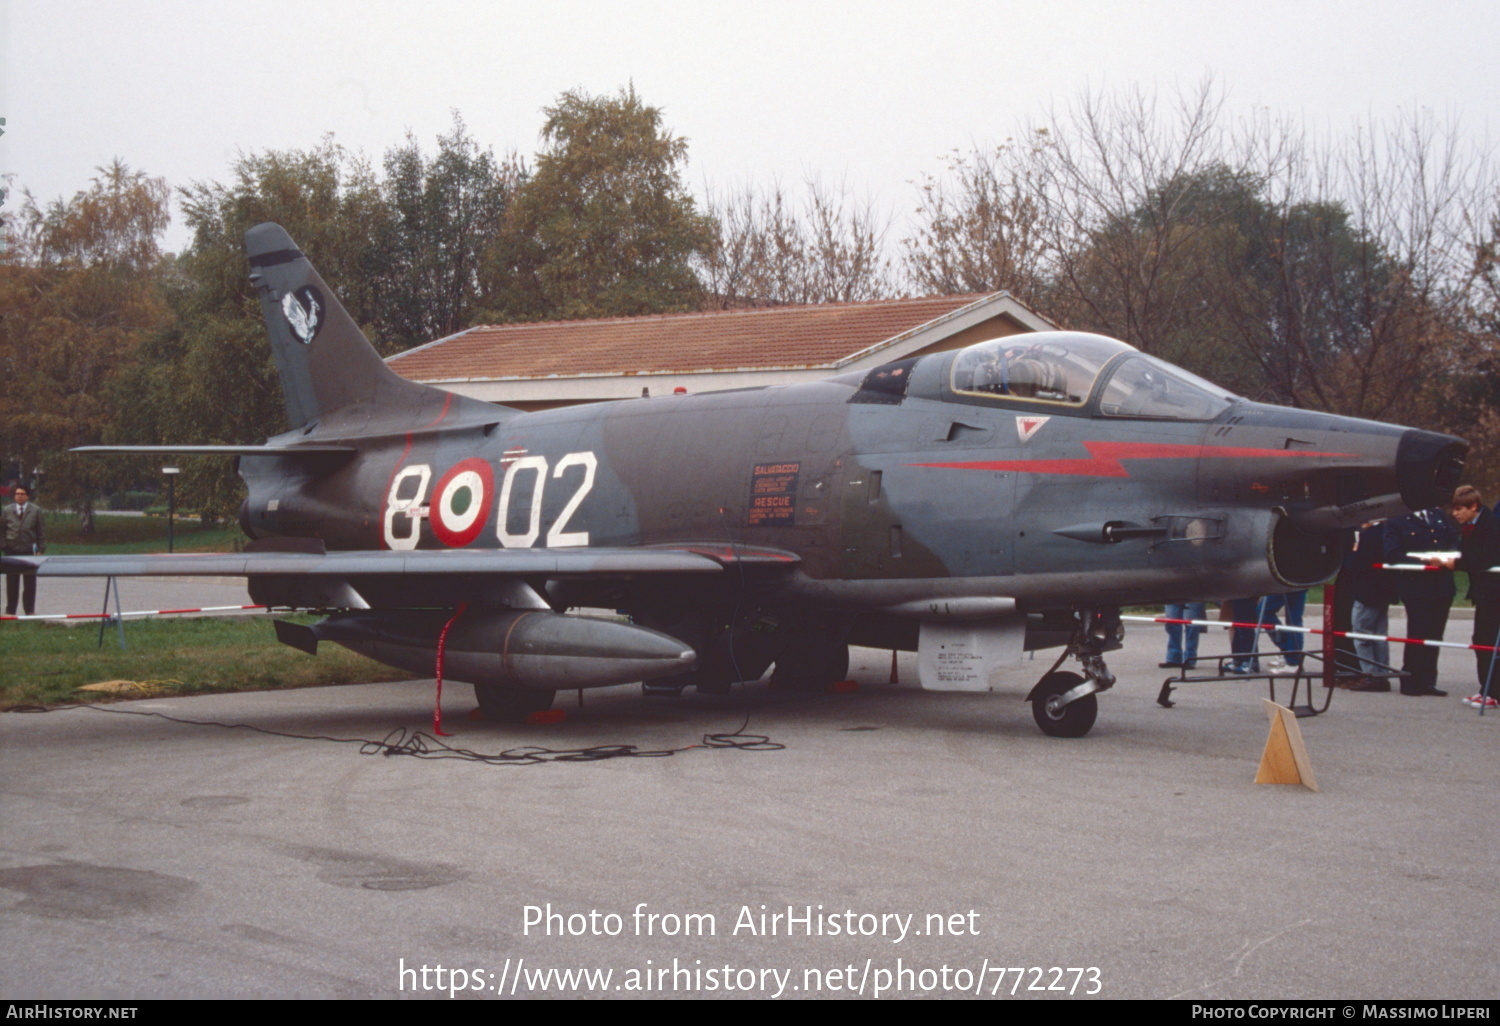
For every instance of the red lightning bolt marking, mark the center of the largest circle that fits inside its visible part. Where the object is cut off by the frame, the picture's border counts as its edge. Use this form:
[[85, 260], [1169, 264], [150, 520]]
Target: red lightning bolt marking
[[1106, 456]]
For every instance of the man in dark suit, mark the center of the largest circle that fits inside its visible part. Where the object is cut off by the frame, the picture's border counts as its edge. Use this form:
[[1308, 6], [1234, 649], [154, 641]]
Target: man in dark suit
[[1426, 596], [1479, 548], [23, 534], [1371, 591]]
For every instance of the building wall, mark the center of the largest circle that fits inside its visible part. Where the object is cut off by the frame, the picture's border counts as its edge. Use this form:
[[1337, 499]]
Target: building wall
[[996, 327]]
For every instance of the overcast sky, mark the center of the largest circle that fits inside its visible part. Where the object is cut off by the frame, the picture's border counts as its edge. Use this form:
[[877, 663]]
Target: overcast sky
[[873, 92]]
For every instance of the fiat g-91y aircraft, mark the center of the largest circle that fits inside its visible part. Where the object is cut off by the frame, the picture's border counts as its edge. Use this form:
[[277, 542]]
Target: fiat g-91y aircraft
[[968, 505]]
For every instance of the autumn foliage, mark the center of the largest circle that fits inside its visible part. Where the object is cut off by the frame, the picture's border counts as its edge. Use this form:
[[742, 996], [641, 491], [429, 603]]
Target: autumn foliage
[[1355, 274]]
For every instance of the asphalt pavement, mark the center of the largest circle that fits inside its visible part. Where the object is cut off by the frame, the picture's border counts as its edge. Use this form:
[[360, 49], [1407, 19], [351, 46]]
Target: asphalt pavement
[[898, 843]]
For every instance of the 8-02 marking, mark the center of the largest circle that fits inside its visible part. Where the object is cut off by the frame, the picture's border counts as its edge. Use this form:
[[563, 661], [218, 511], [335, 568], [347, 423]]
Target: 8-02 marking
[[463, 496]]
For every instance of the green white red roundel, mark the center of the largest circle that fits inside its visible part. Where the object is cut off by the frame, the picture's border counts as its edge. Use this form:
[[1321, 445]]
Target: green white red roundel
[[461, 500]]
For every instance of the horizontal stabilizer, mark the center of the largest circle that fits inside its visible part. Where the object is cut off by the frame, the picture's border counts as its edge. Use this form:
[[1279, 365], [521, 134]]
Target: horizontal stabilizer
[[297, 636], [219, 450]]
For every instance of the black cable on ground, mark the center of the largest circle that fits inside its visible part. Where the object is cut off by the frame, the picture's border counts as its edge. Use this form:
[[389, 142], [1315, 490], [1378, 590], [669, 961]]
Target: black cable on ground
[[421, 745]]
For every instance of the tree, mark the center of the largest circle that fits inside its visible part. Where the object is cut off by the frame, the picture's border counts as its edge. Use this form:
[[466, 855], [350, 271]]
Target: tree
[[1347, 275], [1470, 383], [1168, 271], [604, 227], [1351, 297], [1124, 213], [81, 291], [327, 198], [444, 215], [1103, 216], [980, 224], [767, 253], [208, 376]]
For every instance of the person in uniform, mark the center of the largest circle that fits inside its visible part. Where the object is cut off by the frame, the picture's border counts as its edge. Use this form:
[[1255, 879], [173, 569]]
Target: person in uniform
[[1479, 549], [1426, 596], [23, 534]]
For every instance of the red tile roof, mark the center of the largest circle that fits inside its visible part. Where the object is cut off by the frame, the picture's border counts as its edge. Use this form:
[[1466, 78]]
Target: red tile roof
[[761, 339]]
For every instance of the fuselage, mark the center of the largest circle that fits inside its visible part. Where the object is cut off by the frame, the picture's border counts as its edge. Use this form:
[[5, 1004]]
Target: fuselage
[[935, 477]]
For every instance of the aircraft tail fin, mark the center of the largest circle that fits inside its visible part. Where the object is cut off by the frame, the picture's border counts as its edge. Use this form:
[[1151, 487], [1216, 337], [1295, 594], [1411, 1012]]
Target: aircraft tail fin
[[325, 361]]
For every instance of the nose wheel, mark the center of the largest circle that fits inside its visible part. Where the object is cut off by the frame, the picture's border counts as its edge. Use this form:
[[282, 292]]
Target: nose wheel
[[1058, 707]]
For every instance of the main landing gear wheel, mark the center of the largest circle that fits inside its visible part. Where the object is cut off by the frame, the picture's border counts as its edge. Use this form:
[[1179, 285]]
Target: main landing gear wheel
[[810, 662], [510, 705], [1072, 720]]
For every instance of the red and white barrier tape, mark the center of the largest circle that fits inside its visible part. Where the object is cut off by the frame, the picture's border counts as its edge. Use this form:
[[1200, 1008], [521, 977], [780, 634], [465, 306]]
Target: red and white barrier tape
[[135, 612], [1309, 630], [1133, 619], [1424, 566]]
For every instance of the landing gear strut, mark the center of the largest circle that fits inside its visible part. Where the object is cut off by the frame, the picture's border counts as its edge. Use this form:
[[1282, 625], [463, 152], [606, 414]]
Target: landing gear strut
[[510, 705], [811, 662], [1064, 703]]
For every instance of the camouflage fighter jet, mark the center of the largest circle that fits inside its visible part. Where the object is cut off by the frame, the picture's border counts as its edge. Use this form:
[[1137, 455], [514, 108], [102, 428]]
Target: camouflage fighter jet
[[968, 505]]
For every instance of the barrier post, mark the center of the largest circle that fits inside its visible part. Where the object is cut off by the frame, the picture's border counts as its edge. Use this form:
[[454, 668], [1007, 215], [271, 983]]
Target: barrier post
[[119, 618], [1330, 651]]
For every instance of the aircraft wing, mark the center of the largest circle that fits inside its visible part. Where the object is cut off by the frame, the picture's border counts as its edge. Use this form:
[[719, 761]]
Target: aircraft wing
[[297, 573], [385, 563]]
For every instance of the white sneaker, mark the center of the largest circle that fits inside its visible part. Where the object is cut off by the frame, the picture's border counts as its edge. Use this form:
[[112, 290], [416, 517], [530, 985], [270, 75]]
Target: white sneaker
[[1276, 664]]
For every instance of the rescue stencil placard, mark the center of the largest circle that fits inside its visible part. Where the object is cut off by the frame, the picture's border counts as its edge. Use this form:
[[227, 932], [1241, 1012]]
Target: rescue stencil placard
[[773, 494]]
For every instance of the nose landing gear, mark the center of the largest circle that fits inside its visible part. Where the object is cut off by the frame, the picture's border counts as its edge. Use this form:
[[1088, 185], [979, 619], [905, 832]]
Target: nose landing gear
[[1063, 703]]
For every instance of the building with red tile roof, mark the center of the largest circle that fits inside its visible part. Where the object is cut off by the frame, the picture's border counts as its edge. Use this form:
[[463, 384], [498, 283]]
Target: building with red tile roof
[[555, 363]]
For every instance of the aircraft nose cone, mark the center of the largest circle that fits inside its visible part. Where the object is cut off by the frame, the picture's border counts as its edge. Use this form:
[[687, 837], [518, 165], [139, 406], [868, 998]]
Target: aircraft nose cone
[[1429, 466]]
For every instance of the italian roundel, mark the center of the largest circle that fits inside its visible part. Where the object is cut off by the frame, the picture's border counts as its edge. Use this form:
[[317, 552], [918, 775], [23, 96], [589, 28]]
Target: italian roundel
[[460, 501]]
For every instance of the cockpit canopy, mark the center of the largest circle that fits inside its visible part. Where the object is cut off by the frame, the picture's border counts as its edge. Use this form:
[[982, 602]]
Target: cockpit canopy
[[1055, 367], [1143, 386], [1065, 368]]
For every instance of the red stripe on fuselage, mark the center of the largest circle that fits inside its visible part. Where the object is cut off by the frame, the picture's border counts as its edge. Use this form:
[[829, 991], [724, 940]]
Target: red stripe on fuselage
[[447, 405], [1106, 457], [401, 461]]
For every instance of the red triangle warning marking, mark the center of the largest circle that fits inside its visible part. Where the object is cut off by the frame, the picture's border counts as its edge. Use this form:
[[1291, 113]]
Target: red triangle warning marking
[[1028, 426]]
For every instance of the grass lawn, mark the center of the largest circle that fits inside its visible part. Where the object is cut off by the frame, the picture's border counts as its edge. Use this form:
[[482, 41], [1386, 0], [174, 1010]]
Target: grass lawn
[[137, 534], [45, 663]]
